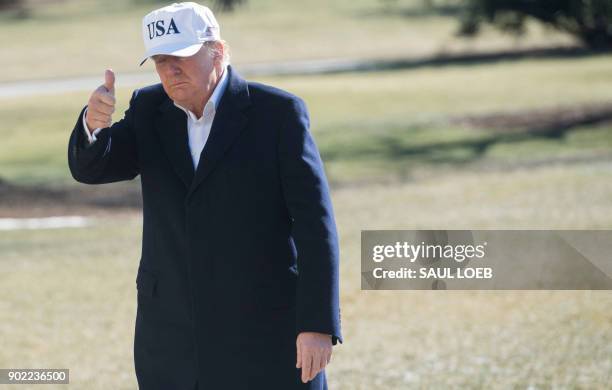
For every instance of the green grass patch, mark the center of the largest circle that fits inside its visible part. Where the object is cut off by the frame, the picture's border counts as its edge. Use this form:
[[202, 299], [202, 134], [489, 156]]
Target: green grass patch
[[367, 124]]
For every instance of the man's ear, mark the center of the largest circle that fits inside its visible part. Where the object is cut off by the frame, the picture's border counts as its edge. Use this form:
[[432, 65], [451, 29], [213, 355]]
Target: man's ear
[[220, 50]]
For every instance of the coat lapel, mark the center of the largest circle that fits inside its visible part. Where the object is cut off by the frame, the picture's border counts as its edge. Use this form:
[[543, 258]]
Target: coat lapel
[[230, 120], [172, 129]]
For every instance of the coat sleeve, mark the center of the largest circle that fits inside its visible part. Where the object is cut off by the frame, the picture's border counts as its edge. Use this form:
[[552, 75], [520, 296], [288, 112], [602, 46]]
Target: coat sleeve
[[313, 229], [112, 157]]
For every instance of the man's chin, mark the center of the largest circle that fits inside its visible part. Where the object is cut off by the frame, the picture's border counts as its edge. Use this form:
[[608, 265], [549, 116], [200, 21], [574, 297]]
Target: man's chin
[[178, 98]]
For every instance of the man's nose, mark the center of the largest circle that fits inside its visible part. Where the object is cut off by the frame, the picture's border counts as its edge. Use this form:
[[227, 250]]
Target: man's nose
[[174, 69]]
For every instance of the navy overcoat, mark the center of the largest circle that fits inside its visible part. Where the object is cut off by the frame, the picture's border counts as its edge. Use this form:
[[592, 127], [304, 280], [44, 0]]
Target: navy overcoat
[[238, 256]]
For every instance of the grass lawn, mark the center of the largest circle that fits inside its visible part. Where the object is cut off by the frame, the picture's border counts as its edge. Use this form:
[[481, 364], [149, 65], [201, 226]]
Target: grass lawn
[[69, 295], [70, 37], [367, 125]]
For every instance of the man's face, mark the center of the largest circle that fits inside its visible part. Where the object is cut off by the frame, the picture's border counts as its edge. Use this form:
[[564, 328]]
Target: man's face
[[187, 80]]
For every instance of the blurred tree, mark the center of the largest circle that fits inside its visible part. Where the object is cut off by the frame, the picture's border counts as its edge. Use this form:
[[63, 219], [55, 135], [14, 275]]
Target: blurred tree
[[221, 5], [588, 20], [228, 5], [7, 4], [16, 6]]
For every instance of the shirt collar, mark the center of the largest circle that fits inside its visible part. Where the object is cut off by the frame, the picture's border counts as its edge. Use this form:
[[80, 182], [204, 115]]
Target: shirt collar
[[215, 97]]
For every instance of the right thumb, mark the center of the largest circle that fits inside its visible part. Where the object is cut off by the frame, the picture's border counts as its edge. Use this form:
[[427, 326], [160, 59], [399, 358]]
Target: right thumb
[[109, 80]]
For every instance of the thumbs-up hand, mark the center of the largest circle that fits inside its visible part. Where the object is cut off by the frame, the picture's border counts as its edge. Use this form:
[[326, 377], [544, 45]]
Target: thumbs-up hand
[[101, 103]]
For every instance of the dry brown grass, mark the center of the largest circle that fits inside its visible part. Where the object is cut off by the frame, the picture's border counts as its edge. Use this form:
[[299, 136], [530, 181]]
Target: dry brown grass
[[69, 295]]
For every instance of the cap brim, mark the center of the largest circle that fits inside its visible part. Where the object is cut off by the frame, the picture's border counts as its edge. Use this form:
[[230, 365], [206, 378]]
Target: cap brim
[[179, 50]]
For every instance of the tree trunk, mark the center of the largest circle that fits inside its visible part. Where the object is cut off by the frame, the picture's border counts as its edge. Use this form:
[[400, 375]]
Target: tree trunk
[[598, 36]]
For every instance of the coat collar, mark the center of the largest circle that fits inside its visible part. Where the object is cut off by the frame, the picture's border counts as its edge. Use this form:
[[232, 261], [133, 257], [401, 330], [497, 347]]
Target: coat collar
[[230, 120]]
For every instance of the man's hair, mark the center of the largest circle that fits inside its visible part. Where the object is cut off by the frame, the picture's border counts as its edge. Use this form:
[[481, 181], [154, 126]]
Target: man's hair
[[213, 50]]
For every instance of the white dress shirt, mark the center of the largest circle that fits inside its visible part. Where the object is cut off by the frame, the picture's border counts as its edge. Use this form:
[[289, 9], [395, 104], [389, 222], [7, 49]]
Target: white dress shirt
[[198, 130]]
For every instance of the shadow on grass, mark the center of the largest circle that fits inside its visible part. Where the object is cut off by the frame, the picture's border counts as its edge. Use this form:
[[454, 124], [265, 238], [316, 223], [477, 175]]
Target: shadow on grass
[[463, 59], [390, 9], [392, 148]]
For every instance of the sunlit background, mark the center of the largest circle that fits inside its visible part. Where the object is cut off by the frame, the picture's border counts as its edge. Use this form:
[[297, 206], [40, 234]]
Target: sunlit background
[[419, 128]]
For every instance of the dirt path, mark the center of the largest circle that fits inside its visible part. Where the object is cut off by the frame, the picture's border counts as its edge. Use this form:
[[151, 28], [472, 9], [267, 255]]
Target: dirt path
[[540, 120], [334, 65]]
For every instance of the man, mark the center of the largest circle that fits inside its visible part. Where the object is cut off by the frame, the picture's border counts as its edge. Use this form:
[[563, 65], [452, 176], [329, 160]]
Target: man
[[238, 279]]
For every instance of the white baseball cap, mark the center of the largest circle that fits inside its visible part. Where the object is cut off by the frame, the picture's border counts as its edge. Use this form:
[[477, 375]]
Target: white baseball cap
[[179, 30]]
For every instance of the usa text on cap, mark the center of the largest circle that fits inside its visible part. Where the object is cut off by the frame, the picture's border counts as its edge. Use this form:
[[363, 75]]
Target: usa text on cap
[[179, 29]]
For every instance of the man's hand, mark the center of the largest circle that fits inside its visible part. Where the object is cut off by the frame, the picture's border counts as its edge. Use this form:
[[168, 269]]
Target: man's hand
[[313, 353], [101, 104]]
